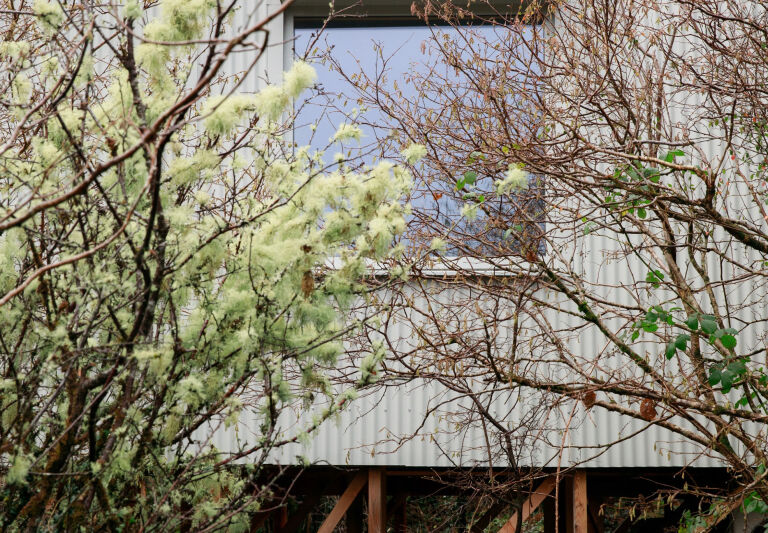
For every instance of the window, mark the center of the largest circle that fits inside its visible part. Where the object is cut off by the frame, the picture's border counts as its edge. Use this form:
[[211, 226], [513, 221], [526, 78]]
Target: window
[[386, 75]]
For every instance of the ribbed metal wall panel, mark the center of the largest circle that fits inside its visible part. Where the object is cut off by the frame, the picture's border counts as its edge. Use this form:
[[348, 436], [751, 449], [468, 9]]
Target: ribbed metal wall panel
[[368, 432]]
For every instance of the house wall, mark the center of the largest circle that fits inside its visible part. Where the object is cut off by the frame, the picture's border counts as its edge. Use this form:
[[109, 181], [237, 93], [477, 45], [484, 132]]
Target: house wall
[[423, 423]]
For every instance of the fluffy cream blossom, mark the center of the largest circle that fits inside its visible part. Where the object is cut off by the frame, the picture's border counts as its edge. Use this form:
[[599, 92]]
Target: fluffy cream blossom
[[414, 153], [346, 132], [132, 9], [300, 77], [22, 88], [13, 50], [271, 102], [515, 180], [469, 211], [49, 14], [437, 244], [19, 469], [224, 113], [202, 198]]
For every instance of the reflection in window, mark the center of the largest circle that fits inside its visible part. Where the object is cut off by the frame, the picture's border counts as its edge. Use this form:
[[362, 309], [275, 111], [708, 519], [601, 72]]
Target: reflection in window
[[375, 76]]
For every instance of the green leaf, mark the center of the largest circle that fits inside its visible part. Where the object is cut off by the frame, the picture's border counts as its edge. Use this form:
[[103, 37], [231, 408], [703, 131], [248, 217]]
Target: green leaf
[[726, 379], [708, 324], [652, 174], [737, 367], [727, 376], [692, 322], [754, 504], [682, 340], [474, 156], [670, 157], [641, 212], [470, 177], [650, 327], [714, 376], [654, 277], [670, 351], [729, 341]]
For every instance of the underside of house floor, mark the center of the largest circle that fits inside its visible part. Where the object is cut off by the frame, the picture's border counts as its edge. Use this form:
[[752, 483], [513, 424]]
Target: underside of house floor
[[594, 500]]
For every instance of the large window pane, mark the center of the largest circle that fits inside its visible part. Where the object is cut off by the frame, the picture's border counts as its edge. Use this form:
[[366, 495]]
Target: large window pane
[[373, 76]]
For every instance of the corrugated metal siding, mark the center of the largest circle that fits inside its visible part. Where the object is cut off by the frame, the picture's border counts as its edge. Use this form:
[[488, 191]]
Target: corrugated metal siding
[[398, 427], [368, 434]]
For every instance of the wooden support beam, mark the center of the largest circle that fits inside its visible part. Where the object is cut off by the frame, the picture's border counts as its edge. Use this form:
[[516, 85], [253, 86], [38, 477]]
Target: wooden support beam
[[580, 503], [377, 500], [530, 505], [281, 519], [297, 517], [260, 518], [479, 525], [346, 499]]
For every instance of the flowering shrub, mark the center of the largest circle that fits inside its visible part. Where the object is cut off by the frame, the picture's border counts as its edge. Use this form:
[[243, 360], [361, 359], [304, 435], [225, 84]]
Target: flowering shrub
[[164, 266]]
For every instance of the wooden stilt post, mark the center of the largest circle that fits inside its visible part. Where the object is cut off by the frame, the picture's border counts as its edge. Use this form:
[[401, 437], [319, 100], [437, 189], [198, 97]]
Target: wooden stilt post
[[481, 523], [580, 504], [282, 519], [377, 500], [300, 514], [530, 505], [260, 518], [338, 511]]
